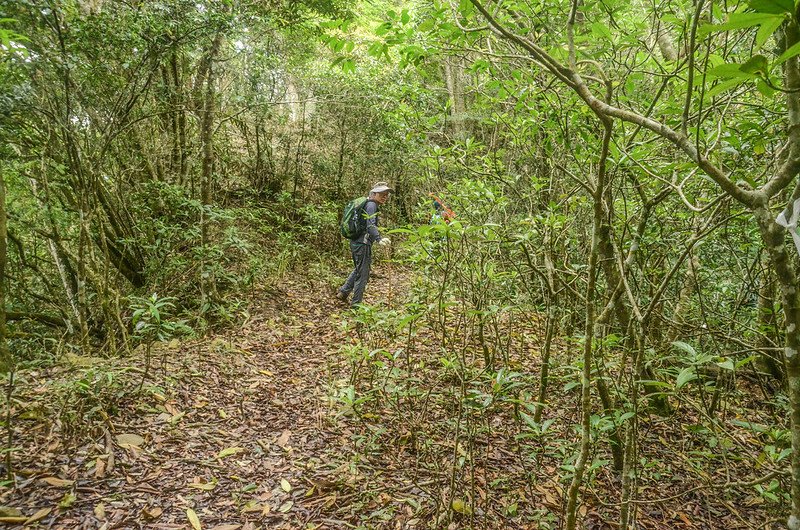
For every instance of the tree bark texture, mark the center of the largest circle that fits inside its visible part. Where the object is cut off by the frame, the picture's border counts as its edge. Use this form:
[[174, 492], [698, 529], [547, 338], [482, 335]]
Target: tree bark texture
[[207, 286]]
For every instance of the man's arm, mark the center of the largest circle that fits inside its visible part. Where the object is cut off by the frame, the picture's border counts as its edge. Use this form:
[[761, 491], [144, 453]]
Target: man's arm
[[371, 213]]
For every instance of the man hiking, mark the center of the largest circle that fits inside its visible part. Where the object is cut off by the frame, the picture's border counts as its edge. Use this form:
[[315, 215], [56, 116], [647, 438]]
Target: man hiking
[[361, 244]]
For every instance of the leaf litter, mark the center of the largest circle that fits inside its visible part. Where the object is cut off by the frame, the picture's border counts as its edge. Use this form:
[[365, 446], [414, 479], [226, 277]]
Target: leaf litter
[[240, 433]]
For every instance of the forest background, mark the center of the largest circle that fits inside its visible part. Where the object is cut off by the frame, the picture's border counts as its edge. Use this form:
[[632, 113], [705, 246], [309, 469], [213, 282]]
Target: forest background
[[606, 335]]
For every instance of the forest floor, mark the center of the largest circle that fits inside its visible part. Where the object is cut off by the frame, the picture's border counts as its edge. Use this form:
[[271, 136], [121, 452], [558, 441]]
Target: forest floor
[[243, 431]]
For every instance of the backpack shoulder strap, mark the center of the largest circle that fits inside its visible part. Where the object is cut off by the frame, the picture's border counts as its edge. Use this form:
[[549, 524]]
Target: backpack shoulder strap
[[364, 204]]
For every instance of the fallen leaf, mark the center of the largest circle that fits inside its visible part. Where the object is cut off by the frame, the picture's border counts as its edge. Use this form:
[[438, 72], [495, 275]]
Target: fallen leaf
[[67, 500], [13, 520], [193, 519], [227, 527], [58, 482], [285, 486], [130, 440], [461, 507], [8, 511], [153, 513], [100, 511], [286, 506], [205, 486], [252, 506], [99, 468], [283, 439], [222, 414], [229, 451], [38, 516]]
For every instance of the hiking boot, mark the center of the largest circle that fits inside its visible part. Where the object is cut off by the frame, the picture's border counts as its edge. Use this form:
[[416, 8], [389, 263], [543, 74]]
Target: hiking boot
[[341, 295]]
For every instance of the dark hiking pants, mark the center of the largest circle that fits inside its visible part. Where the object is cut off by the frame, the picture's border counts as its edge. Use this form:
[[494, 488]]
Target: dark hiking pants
[[357, 281]]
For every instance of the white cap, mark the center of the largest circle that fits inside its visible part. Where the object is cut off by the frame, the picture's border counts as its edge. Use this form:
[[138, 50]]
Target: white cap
[[380, 187]]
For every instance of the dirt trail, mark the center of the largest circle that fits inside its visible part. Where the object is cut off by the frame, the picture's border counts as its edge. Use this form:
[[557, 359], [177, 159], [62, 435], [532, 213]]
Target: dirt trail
[[239, 431]]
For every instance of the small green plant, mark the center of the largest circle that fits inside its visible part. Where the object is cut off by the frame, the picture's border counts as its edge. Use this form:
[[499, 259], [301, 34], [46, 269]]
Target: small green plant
[[152, 323]]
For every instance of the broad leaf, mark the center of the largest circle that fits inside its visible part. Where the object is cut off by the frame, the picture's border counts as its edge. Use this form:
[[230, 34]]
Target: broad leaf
[[686, 375], [38, 516], [767, 29], [776, 7], [685, 347], [727, 71], [228, 451], [193, 519], [725, 86], [130, 440], [738, 21], [756, 65], [727, 364], [58, 482], [788, 54]]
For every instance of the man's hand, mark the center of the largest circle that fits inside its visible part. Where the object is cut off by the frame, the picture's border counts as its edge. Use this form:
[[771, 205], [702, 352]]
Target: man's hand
[[385, 241]]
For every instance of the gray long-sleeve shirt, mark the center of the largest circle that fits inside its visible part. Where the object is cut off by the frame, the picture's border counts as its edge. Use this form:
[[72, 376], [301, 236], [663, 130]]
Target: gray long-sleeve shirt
[[371, 213]]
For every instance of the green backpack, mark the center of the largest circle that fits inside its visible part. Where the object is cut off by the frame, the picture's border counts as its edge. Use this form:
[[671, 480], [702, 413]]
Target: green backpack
[[354, 222]]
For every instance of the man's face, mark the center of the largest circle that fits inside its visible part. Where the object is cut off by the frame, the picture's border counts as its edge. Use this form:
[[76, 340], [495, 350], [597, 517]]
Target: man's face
[[381, 197]]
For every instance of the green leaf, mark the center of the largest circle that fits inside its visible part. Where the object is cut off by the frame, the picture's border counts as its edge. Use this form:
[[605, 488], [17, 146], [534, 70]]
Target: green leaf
[[727, 71], [744, 361], [228, 451], [727, 364], [685, 347], [459, 506], [738, 21], [527, 418], [756, 65], [766, 30], [766, 91], [626, 416], [725, 86], [686, 375], [427, 25], [465, 8], [193, 519], [601, 30], [788, 54], [772, 6]]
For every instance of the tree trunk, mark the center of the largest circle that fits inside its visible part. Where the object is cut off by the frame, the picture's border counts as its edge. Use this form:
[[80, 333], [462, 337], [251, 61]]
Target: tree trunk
[[207, 284], [770, 361], [773, 236], [5, 356], [454, 78], [598, 221]]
